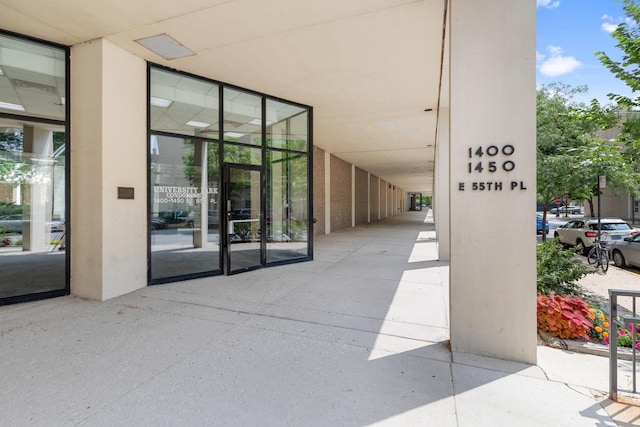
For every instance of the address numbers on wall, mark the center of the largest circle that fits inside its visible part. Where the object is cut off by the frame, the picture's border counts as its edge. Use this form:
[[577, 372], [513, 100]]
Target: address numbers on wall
[[485, 161]]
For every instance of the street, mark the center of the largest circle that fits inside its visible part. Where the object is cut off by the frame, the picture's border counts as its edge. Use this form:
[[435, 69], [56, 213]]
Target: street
[[599, 283]]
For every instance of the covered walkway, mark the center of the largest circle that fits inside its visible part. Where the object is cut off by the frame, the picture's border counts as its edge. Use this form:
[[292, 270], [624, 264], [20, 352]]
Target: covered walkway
[[357, 337]]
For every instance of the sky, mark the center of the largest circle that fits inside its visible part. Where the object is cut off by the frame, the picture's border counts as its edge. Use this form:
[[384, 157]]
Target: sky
[[569, 32]]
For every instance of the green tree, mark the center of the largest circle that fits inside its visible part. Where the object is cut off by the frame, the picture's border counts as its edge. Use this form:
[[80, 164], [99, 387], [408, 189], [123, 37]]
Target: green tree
[[11, 140], [627, 68], [561, 123], [599, 157]]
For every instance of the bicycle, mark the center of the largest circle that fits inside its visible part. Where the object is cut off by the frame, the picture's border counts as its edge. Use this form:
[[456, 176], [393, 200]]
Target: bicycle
[[599, 255]]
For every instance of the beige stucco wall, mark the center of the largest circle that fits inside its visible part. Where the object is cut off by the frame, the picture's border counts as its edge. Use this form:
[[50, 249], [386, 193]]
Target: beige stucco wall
[[610, 205], [108, 150]]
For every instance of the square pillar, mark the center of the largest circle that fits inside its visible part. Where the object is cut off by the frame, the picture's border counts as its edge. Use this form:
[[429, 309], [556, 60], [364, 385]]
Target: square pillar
[[108, 235], [493, 178], [38, 145]]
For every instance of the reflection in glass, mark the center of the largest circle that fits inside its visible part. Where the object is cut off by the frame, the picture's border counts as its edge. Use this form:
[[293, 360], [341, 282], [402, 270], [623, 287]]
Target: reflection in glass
[[287, 126], [185, 210], [244, 218], [183, 105], [32, 78], [242, 117], [287, 206], [32, 210], [242, 155]]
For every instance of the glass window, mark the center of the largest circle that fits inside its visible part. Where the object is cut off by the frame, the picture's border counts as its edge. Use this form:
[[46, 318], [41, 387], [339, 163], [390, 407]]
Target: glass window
[[242, 155], [287, 126], [185, 206], [33, 169], [32, 79], [32, 209], [287, 215], [183, 105], [242, 117]]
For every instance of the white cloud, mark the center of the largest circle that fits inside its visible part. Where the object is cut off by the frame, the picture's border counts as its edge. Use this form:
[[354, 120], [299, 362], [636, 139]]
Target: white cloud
[[549, 4], [609, 25], [557, 64]]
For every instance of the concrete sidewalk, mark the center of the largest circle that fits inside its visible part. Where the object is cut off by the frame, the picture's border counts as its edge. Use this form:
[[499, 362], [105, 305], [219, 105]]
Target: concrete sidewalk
[[358, 337]]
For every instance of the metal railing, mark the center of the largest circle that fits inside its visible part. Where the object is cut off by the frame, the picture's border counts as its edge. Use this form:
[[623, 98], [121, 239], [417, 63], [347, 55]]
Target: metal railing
[[627, 320]]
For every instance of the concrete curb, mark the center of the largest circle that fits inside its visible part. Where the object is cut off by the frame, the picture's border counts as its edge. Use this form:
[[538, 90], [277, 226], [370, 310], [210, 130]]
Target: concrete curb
[[584, 347]]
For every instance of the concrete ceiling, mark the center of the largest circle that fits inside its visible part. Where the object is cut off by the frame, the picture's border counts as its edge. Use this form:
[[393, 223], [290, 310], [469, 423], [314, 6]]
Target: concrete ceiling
[[370, 68]]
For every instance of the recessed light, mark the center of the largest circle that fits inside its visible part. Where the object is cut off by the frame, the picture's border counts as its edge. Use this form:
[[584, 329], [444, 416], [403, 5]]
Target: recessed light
[[10, 106], [258, 122], [165, 46], [233, 134], [159, 102], [196, 124]]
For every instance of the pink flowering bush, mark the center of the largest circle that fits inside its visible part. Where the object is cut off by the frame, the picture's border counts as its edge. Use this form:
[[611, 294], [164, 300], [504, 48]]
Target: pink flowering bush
[[625, 336]]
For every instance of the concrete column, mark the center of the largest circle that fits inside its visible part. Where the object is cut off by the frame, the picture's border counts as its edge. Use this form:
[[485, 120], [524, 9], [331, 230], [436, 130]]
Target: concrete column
[[493, 172], [353, 195], [379, 199], [368, 197], [327, 192], [440, 202], [38, 144], [108, 150], [201, 222]]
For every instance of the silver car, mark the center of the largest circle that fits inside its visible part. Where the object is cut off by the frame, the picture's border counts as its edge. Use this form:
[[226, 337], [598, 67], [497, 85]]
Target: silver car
[[583, 232], [626, 252], [13, 224]]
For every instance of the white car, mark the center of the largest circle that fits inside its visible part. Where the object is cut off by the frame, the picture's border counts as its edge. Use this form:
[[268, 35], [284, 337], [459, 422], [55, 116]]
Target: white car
[[583, 232], [566, 209]]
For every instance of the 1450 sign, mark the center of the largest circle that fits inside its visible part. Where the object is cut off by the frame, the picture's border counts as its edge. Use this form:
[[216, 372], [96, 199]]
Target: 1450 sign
[[485, 161]]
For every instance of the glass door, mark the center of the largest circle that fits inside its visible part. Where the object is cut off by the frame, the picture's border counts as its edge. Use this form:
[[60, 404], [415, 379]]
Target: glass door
[[244, 225]]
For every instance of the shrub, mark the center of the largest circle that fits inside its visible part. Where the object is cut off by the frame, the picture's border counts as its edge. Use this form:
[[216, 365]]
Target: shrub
[[559, 270], [9, 208], [564, 317]]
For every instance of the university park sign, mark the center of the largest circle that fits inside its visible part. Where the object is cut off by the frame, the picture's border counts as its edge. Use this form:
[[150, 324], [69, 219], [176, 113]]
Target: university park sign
[[171, 194]]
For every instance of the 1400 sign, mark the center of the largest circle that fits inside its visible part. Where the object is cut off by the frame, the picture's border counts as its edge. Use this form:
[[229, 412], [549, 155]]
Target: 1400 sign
[[491, 159]]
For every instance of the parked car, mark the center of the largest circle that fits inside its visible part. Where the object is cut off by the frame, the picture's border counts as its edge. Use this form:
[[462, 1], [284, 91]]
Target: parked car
[[13, 224], [539, 224], [240, 214], [583, 232], [626, 252], [213, 219], [158, 223], [566, 209]]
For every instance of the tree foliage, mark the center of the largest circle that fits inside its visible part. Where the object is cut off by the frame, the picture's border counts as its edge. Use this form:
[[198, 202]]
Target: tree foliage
[[559, 128], [627, 69], [570, 153]]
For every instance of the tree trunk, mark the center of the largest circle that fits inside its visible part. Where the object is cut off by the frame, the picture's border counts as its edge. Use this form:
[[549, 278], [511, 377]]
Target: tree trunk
[[544, 221]]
